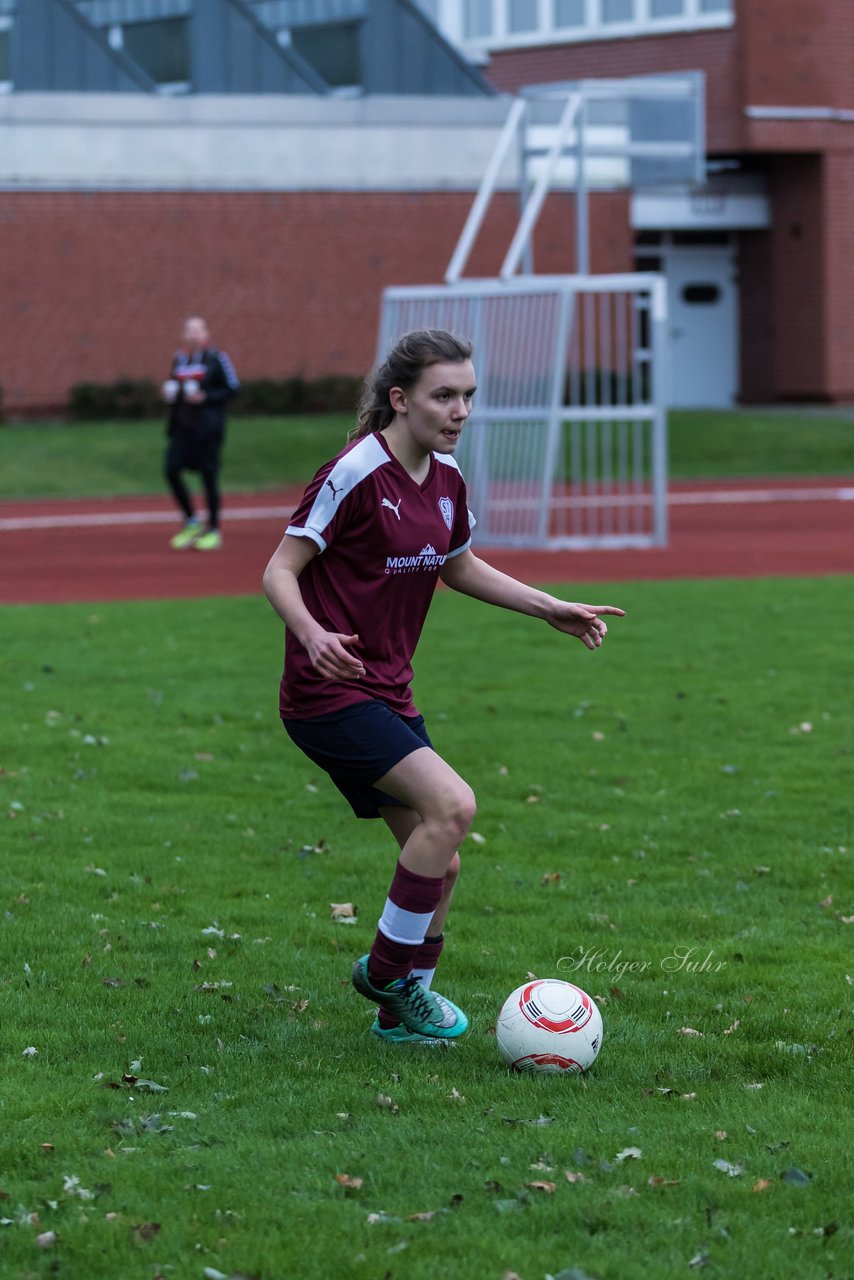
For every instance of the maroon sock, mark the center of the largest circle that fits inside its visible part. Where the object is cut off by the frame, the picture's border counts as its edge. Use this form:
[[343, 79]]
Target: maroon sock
[[411, 901], [426, 959], [427, 956]]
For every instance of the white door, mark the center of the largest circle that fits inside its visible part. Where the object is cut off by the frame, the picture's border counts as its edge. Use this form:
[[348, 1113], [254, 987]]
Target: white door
[[703, 296]]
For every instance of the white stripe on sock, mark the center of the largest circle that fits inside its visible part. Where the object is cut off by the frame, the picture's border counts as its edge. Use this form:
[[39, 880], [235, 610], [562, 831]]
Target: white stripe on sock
[[409, 927], [424, 976]]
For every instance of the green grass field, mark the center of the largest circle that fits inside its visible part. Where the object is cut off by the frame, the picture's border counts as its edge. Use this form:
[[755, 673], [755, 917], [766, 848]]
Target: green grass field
[[100, 459], [169, 863]]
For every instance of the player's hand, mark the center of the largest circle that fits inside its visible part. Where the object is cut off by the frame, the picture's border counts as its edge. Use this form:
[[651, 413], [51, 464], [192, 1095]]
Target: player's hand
[[330, 658], [583, 621]]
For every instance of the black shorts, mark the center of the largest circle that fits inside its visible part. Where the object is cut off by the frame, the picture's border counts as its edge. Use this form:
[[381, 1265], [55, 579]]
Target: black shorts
[[357, 746]]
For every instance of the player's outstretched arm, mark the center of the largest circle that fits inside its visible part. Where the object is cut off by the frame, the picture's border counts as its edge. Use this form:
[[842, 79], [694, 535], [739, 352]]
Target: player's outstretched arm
[[326, 649], [472, 576]]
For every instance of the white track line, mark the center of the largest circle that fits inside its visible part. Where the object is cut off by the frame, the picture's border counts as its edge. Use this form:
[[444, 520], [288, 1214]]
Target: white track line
[[723, 497], [698, 498], [97, 519]]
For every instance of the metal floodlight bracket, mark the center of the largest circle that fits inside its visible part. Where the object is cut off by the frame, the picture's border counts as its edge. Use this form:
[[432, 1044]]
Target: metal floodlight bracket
[[644, 130]]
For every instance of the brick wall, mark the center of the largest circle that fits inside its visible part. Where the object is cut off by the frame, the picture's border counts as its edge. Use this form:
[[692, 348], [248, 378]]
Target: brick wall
[[756, 348], [798, 279], [839, 274], [94, 286]]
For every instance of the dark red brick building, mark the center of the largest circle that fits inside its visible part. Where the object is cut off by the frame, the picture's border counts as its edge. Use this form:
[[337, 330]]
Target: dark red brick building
[[281, 217]]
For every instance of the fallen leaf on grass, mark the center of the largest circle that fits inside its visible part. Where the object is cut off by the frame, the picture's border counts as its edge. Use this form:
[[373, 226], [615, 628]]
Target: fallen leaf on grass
[[731, 1170], [540, 1120], [548, 1187], [721, 1135], [428, 1216], [71, 1186], [46, 1240], [827, 902], [628, 1153], [796, 1177], [343, 912], [351, 1183], [699, 1260], [113, 982], [383, 1100], [763, 1184], [134, 1082], [456, 1096], [572, 1176], [30, 1051], [145, 1230], [689, 1031], [657, 1181], [377, 1219], [551, 877], [734, 1027], [476, 837]]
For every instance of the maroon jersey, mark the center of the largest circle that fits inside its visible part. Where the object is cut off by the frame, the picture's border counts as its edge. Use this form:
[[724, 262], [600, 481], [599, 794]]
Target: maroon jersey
[[383, 539]]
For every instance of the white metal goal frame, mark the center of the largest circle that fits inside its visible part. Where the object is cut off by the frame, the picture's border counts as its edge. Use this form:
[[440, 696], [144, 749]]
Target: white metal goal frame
[[566, 446]]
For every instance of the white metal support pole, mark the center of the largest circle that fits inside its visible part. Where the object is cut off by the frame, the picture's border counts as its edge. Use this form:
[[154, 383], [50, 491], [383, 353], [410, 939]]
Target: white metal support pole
[[554, 436], [485, 191], [538, 194], [582, 221], [660, 380]]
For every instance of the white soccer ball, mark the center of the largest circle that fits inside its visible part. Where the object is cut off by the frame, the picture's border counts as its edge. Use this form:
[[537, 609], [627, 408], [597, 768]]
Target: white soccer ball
[[549, 1026], [191, 386]]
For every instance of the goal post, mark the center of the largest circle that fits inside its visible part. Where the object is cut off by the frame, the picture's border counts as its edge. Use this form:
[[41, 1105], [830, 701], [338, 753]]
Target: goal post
[[566, 446]]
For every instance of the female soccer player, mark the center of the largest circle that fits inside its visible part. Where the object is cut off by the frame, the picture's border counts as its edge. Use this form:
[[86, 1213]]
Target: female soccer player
[[352, 579]]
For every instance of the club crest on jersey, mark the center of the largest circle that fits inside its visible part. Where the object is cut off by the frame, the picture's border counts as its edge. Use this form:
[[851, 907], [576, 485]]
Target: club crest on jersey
[[446, 507]]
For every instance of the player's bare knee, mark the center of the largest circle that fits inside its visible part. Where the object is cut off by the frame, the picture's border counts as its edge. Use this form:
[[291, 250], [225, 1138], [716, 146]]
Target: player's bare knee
[[460, 809], [452, 872]]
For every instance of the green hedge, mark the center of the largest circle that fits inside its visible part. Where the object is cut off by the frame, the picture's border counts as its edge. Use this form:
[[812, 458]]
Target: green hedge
[[140, 397]]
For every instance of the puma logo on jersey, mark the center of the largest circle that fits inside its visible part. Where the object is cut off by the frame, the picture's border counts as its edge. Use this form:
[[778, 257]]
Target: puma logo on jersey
[[335, 491], [392, 507]]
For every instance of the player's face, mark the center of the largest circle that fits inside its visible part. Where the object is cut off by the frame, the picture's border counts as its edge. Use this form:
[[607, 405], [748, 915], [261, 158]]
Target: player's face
[[195, 335], [439, 404]]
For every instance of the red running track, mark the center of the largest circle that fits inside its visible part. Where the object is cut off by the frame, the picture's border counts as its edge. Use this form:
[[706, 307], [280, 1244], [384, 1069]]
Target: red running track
[[54, 552]]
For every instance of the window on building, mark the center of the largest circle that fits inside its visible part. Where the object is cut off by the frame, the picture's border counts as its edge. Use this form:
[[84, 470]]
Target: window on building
[[161, 48], [666, 8], [5, 59], [522, 15], [507, 24], [333, 51], [570, 13], [702, 295], [477, 19], [618, 10]]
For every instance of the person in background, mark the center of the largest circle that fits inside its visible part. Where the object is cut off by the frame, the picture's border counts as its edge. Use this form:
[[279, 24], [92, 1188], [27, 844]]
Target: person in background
[[200, 384]]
